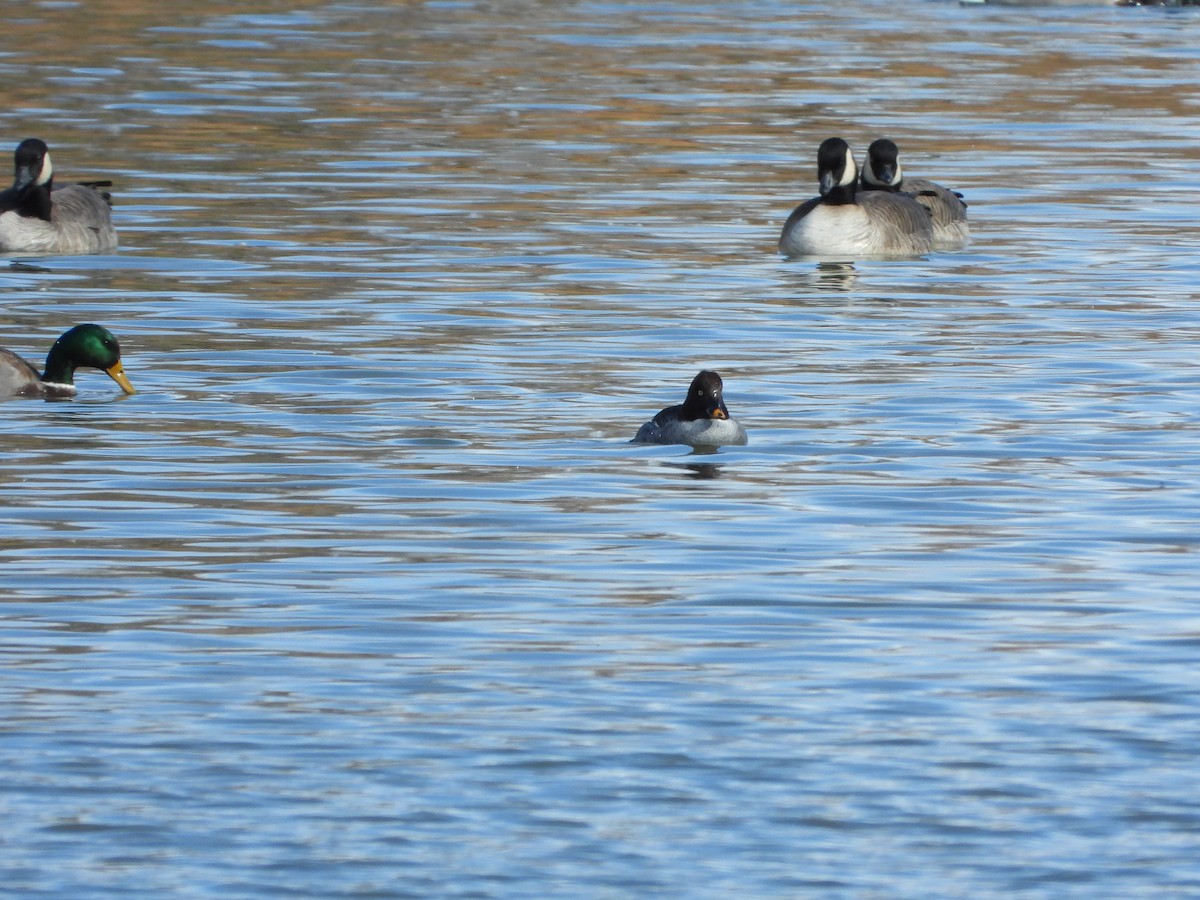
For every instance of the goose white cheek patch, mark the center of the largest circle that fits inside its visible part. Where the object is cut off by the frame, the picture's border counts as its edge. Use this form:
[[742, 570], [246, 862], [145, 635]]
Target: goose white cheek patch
[[850, 174]]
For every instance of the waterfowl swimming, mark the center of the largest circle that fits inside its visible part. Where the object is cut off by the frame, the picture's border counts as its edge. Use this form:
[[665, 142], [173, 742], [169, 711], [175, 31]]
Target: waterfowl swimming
[[882, 172], [845, 223], [702, 420], [84, 345], [36, 217]]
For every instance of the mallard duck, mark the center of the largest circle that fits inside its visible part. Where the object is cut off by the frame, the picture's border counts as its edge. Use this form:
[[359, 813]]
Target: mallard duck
[[36, 217], [702, 420], [84, 345], [845, 223], [882, 172]]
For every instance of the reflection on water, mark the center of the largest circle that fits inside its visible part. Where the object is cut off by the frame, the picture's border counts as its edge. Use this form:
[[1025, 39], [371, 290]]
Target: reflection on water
[[700, 471], [830, 276], [365, 590]]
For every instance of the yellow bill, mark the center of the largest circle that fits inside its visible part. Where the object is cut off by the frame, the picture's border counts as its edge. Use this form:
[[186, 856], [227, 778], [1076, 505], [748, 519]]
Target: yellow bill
[[117, 373]]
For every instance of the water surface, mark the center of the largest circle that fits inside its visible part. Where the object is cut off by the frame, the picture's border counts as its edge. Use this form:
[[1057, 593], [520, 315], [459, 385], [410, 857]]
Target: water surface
[[364, 593]]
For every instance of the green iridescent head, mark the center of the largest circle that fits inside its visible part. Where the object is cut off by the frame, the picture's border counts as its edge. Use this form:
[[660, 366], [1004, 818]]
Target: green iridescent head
[[91, 346]]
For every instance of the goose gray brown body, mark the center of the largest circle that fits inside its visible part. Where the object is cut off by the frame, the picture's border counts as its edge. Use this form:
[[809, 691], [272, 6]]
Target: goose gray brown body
[[846, 223], [37, 217], [882, 172]]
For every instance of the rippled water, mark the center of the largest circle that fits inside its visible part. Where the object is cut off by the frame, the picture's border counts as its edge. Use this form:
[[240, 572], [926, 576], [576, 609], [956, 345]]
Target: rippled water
[[366, 594]]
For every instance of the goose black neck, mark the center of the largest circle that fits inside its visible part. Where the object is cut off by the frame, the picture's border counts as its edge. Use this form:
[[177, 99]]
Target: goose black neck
[[33, 202], [841, 194]]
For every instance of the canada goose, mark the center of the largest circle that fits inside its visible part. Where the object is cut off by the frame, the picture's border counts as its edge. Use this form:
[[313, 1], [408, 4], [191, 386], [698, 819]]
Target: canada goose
[[83, 345], [882, 172], [36, 217], [844, 222], [702, 420]]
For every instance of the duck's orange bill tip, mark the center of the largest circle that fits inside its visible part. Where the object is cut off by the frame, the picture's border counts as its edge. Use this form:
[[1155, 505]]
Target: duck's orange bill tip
[[718, 414], [117, 373]]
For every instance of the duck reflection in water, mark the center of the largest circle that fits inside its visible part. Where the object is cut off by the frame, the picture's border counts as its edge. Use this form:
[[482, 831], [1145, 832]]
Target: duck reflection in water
[[698, 471]]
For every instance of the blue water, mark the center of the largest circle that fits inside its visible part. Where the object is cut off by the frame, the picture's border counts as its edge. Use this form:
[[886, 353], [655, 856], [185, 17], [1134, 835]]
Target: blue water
[[365, 592]]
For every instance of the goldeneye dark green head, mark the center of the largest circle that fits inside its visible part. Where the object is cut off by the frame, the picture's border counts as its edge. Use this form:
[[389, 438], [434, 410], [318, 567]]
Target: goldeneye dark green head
[[704, 399]]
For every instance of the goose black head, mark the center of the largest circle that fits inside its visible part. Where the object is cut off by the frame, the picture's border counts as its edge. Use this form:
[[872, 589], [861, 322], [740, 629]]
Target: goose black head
[[32, 164], [836, 171], [881, 171]]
